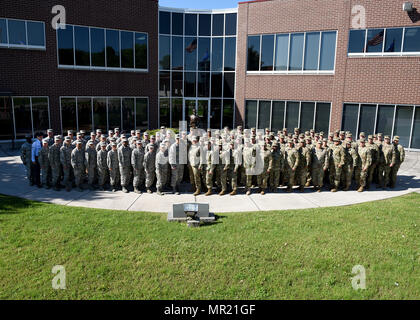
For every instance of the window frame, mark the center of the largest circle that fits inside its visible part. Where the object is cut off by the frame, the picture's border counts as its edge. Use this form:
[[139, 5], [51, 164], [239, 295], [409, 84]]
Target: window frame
[[25, 46]]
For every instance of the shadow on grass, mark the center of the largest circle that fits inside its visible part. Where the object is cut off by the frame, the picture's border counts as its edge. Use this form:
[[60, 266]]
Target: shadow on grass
[[13, 205]]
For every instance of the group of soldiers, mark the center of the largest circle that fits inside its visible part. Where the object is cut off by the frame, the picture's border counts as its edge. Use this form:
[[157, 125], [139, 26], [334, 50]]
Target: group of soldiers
[[225, 159]]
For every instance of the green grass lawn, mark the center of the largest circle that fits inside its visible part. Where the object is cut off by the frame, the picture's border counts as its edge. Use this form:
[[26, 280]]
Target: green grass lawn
[[301, 254]]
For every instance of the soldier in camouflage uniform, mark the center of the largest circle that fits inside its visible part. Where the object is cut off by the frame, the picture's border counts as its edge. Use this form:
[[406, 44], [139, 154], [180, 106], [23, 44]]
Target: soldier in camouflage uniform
[[389, 160], [50, 137], [250, 162], [65, 160], [91, 164], [210, 168], [268, 166], [124, 159], [337, 160], [319, 165], [277, 167], [349, 163], [365, 162], [150, 166], [44, 164], [55, 163], [26, 156], [103, 172], [113, 166], [137, 160], [78, 162], [374, 150], [292, 160], [162, 163], [194, 157], [399, 159], [177, 162], [303, 167]]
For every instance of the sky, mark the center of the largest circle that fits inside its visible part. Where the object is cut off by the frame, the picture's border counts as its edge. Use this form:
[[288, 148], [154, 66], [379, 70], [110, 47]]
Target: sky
[[200, 4]]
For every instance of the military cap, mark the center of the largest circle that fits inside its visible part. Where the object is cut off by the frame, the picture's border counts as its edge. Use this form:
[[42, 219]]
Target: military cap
[[307, 133], [387, 137], [239, 127], [177, 136], [103, 136], [370, 136], [349, 135], [58, 137], [162, 128], [336, 140], [44, 140], [342, 133], [78, 134], [113, 139], [69, 131], [267, 129], [324, 140], [312, 130], [396, 138], [319, 142], [138, 131], [275, 144], [317, 135], [301, 141], [308, 138], [152, 137], [362, 134], [253, 129], [284, 129], [296, 129], [78, 142], [124, 139], [208, 130], [282, 136], [253, 136], [110, 131], [362, 140], [139, 142], [82, 131], [67, 138], [117, 130], [98, 130], [113, 144], [322, 133], [93, 133], [162, 145], [102, 144], [195, 138], [146, 134], [50, 130], [380, 134], [375, 136], [90, 143]]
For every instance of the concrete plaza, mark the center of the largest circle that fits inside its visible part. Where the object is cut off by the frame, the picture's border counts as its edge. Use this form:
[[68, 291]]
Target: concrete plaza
[[13, 182]]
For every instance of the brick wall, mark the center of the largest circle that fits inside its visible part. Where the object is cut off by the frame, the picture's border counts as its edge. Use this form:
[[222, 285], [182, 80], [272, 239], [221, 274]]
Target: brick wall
[[35, 73], [377, 80]]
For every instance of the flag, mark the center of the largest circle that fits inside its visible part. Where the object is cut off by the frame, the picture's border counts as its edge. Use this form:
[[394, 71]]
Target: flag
[[191, 48], [376, 40]]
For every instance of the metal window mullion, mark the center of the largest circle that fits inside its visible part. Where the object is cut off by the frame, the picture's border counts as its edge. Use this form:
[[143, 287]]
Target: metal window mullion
[[7, 32], [134, 50], [26, 33], [106, 58], [403, 41], [285, 110], [319, 50], [119, 35], [49, 115], [383, 41], [121, 113], [32, 116], [315, 111], [74, 47], [376, 119], [300, 110], [366, 35], [61, 116], [303, 53], [288, 53], [271, 114], [90, 54], [91, 109], [259, 65], [257, 118], [77, 112], [14, 119], [358, 120], [393, 121], [412, 127], [274, 52]]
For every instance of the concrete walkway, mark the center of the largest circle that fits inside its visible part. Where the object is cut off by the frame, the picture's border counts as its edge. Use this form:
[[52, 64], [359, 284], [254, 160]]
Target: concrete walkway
[[14, 183]]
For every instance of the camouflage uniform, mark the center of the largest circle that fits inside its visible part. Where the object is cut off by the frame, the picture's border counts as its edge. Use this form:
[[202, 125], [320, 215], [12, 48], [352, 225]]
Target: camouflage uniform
[[262, 179], [365, 162], [150, 168], [162, 163], [44, 164], [375, 161], [65, 160], [26, 157], [349, 164], [337, 161], [137, 159], [389, 157], [291, 164], [55, 163], [91, 164], [210, 169], [114, 168], [78, 162], [177, 161], [124, 159], [303, 168], [194, 155], [103, 172], [319, 165], [277, 168], [399, 159]]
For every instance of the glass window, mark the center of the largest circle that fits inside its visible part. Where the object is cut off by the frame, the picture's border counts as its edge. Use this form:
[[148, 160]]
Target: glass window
[[164, 52], [164, 113], [203, 112], [403, 119], [282, 51], [415, 141], [127, 50], [230, 53], [411, 39], [267, 52], [229, 85], [3, 32], [23, 122], [128, 114], [375, 39], [367, 118], [40, 115], [114, 113], [228, 110], [190, 62], [190, 84], [97, 47], [385, 119], [68, 114], [99, 114], [177, 82], [164, 22], [36, 34], [296, 51], [215, 113], [17, 32], [217, 54], [327, 59], [307, 116], [253, 63], [250, 114], [322, 118], [6, 119], [277, 122], [176, 113], [393, 40], [190, 24], [230, 24], [81, 42], [164, 84], [204, 54], [350, 118], [177, 53], [141, 50], [204, 24], [113, 48], [142, 114], [357, 41], [311, 51], [203, 84], [292, 115], [177, 23], [218, 24], [216, 85], [65, 46], [84, 113], [264, 113]]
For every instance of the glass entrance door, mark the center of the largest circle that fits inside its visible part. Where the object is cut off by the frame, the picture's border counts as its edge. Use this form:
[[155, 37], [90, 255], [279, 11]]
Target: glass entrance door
[[6, 119], [201, 106]]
